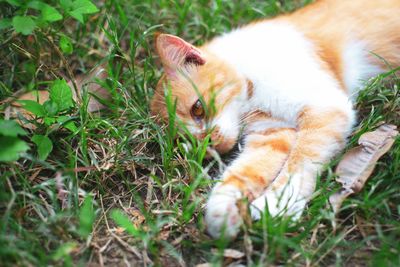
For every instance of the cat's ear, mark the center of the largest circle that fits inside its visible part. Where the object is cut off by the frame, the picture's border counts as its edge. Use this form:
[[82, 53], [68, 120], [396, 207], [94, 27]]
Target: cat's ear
[[175, 52]]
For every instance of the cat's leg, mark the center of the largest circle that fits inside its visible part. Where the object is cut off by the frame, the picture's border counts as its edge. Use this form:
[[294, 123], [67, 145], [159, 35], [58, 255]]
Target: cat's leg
[[266, 150], [283, 195], [321, 132]]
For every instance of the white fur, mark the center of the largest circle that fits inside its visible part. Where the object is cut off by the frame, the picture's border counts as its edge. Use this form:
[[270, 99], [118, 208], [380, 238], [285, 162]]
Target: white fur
[[263, 125], [289, 198], [282, 65], [194, 129], [357, 68], [286, 200], [222, 213], [287, 76], [228, 120]]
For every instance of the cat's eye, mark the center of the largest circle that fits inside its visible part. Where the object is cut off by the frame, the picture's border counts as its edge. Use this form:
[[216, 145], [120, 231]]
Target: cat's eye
[[197, 111]]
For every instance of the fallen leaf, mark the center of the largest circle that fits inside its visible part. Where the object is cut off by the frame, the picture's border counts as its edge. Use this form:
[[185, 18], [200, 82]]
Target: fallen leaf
[[62, 194], [119, 230], [359, 162], [137, 217], [233, 253], [94, 88]]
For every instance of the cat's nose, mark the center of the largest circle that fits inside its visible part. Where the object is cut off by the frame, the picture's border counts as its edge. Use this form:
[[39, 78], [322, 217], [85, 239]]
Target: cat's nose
[[200, 136], [224, 147], [221, 143]]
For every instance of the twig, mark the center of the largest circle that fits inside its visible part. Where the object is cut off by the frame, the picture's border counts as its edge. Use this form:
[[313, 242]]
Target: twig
[[126, 245]]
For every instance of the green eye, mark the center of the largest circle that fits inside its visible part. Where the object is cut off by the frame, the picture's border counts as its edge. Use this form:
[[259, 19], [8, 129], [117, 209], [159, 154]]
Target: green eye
[[197, 111]]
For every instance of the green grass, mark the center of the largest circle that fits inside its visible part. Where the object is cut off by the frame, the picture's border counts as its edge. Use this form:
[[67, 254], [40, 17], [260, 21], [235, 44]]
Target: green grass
[[119, 169]]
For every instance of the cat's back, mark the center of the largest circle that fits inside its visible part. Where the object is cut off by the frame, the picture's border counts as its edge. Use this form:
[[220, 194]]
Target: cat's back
[[333, 25], [357, 19], [352, 36], [341, 33]]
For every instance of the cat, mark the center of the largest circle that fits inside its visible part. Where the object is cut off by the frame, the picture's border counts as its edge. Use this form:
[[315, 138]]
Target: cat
[[293, 79]]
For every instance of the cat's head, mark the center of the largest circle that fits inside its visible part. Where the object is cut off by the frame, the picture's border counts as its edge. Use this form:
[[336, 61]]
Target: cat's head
[[208, 91]]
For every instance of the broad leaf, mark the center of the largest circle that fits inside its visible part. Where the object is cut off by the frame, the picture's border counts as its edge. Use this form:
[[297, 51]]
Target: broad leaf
[[51, 107], [24, 25], [49, 121], [44, 145], [67, 124], [64, 250], [86, 217], [5, 23], [66, 45], [11, 148], [33, 107], [82, 7], [15, 2], [61, 94], [49, 13], [66, 4], [10, 128]]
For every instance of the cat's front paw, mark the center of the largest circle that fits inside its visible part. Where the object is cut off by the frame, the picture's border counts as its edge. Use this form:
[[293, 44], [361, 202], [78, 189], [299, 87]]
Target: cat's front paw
[[222, 213]]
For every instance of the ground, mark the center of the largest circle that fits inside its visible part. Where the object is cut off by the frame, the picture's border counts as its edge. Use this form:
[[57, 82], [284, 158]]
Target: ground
[[118, 190]]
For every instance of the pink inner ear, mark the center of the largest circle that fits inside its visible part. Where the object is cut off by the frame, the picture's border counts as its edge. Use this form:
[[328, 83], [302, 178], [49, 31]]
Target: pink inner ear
[[175, 52], [194, 57]]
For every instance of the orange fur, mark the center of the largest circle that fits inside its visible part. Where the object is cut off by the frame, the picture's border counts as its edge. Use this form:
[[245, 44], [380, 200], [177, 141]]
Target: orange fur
[[209, 80], [316, 128], [250, 89], [267, 155], [374, 22]]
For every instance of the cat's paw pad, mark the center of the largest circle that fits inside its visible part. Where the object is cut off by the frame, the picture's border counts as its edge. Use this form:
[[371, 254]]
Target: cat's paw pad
[[222, 213]]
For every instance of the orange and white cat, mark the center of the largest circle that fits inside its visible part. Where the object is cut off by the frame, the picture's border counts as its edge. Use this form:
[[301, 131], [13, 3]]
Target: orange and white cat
[[296, 75]]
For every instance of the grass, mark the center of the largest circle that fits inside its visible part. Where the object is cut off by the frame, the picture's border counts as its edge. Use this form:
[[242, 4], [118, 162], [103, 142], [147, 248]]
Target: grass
[[119, 170]]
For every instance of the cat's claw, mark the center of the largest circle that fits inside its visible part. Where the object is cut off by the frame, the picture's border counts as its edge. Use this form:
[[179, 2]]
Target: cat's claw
[[222, 214]]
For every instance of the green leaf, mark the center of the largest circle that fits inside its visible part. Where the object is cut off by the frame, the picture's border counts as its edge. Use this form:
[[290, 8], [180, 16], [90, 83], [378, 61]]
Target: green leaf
[[67, 124], [51, 107], [30, 69], [61, 94], [66, 4], [14, 2], [44, 145], [50, 14], [82, 7], [10, 128], [49, 121], [86, 217], [24, 25], [71, 126], [64, 250], [66, 45], [5, 23], [11, 148], [123, 221], [36, 5], [33, 107]]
